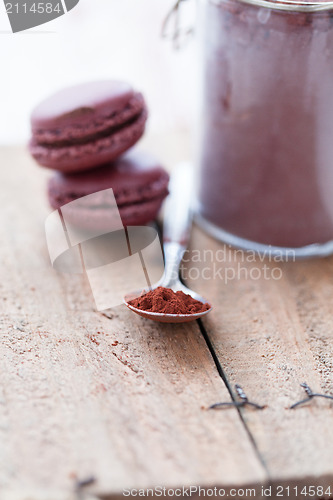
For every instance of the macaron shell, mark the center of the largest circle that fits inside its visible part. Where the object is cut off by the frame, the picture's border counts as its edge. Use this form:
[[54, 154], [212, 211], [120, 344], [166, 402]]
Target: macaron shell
[[78, 157], [139, 185], [134, 177], [87, 125], [78, 131], [131, 215], [76, 105]]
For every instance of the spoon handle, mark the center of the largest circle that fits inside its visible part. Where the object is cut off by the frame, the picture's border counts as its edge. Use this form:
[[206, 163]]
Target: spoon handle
[[177, 222], [178, 214]]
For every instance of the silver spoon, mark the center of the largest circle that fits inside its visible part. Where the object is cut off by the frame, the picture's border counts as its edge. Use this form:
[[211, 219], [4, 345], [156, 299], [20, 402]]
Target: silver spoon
[[176, 232]]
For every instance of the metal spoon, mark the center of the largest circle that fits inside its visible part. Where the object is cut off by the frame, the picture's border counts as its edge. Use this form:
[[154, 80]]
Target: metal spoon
[[176, 232]]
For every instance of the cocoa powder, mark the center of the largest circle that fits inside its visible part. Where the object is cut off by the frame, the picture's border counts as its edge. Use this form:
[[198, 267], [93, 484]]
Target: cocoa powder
[[166, 301], [264, 177]]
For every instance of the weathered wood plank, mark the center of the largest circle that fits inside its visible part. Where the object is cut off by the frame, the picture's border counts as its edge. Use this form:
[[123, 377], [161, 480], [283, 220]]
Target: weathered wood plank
[[270, 335], [120, 399]]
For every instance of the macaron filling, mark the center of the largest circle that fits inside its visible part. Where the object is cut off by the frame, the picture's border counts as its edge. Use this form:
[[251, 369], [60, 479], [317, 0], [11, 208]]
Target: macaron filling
[[91, 152]]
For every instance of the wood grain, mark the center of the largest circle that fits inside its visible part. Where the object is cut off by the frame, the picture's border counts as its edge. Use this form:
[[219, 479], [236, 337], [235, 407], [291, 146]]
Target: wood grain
[[270, 335], [83, 394]]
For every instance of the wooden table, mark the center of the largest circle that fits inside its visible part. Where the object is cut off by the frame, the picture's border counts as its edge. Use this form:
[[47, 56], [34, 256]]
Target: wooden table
[[126, 401]]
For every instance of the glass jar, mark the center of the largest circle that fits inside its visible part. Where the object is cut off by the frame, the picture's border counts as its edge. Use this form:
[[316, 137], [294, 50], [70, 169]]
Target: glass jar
[[266, 142]]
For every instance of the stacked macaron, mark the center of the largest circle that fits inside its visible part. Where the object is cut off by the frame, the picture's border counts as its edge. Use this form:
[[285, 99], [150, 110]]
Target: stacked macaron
[[84, 133]]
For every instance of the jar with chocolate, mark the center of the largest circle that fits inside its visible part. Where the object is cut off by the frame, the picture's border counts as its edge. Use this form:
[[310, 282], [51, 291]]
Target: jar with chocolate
[[266, 142]]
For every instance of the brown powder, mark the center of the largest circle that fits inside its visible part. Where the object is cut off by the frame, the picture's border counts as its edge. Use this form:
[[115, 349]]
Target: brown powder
[[166, 301]]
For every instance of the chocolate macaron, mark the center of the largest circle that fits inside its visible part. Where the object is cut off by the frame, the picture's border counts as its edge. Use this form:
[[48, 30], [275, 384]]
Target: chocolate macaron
[[139, 186], [87, 125]]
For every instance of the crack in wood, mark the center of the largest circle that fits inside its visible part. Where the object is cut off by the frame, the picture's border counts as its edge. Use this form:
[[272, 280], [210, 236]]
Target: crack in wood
[[228, 386]]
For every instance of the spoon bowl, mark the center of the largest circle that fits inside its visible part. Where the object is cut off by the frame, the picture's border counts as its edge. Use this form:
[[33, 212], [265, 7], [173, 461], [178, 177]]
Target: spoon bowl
[[164, 317], [176, 232]]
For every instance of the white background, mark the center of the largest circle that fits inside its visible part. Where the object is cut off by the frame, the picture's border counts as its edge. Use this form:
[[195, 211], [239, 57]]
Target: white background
[[121, 39]]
